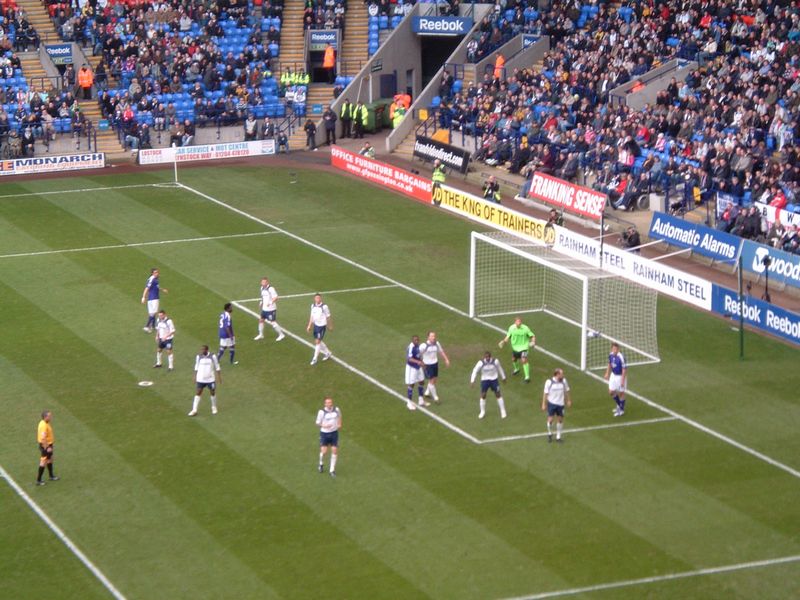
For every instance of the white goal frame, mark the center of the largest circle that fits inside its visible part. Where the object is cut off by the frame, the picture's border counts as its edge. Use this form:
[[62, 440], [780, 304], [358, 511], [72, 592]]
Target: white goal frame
[[576, 270]]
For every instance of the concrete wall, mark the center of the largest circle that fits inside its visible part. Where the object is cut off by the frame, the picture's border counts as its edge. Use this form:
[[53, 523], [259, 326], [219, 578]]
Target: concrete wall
[[423, 100], [516, 57], [654, 81]]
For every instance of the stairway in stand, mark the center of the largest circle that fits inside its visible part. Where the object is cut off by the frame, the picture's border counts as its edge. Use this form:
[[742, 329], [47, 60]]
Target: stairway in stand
[[293, 38], [318, 94], [354, 53], [107, 141]]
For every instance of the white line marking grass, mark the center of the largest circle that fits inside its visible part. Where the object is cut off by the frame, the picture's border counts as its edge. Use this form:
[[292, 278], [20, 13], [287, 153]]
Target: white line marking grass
[[71, 546], [207, 238], [527, 436], [110, 188], [658, 578], [370, 379], [724, 438], [324, 293]]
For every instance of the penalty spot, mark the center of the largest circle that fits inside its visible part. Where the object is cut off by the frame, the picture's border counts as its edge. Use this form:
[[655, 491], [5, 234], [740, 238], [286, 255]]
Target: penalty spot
[[145, 383]]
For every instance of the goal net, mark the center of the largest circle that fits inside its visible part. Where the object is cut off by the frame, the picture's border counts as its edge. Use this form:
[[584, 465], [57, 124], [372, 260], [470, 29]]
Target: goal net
[[511, 276]]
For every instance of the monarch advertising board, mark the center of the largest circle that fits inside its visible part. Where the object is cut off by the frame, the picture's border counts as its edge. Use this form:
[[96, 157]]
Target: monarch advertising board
[[572, 198], [208, 152], [492, 214], [636, 268], [757, 313], [53, 164], [386, 175], [713, 243], [781, 266]]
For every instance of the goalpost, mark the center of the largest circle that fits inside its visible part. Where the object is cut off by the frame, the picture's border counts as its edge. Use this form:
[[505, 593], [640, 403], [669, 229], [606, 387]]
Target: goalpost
[[513, 276]]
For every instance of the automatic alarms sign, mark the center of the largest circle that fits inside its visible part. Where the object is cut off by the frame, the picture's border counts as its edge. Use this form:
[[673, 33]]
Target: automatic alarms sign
[[572, 198]]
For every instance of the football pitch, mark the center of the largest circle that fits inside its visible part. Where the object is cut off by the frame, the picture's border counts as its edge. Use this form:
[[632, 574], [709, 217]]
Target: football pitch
[[694, 493]]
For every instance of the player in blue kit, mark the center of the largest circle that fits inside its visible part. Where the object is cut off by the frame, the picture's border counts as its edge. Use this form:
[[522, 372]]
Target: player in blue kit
[[415, 375], [617, 375], [226, 337], [151, 296]]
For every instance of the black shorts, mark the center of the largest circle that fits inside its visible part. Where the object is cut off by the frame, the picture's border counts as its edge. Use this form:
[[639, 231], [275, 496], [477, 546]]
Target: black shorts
[[555, 410], [520, 354], [46, 451]]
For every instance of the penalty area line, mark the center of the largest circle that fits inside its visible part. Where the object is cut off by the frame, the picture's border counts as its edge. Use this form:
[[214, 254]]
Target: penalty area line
[[208, 238], [71, 546], [527, 436], [93, 189], [691, 422], [324, 293], [371, 380], [659, 578]]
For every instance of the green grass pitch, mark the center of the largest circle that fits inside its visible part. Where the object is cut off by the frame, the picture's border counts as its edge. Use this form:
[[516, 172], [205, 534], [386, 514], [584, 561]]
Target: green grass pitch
[[703, 477]]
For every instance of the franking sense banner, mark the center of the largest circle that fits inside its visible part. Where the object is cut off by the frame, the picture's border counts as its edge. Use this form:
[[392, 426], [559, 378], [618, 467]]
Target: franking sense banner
[[207, 152], [391, 177], [636, 268], [572, 198], [52, 164], [713, 243], [492, 214]]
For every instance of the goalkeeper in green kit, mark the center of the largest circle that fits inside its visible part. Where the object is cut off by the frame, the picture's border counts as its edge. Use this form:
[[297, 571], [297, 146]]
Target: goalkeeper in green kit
[[522, 339]]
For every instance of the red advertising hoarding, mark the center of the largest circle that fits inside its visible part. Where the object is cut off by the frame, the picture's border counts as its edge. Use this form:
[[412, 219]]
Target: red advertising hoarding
[[572, 198], [383, 174]]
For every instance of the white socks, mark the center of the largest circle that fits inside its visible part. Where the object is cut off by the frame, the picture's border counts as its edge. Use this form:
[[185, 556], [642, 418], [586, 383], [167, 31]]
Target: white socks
[[274, 325], [333, 463], [195, 403], [158, 359], [317, 348], [502, 406], [321, 458], [170, 361], [260, 328], [549, 428], [432, 391], [482, 404], [213, 404], [559, 426]]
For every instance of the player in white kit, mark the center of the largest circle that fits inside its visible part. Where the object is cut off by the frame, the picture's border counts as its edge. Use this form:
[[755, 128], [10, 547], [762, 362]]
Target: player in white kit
[[269, 310], [207, 374], [430, 350]]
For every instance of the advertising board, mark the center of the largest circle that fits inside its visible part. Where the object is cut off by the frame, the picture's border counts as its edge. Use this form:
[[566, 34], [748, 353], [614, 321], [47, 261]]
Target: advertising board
[[715, 244], [206, 152], [572, 198], [52, 164]]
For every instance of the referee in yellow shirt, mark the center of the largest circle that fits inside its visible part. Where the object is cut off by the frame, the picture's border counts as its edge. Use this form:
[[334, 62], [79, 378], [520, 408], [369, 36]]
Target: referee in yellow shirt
[[45, 439]]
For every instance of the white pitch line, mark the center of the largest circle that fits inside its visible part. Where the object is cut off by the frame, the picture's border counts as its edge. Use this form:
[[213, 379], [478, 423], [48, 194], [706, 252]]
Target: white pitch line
[[324, 293], [138, 244], [658, 578], [527, 436], [93, 189], [372, 380], [71, 546], [722, 437]]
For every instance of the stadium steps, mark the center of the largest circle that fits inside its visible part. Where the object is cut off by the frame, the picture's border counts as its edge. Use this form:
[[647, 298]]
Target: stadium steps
[[38, 16], [31, 64], [33, 70], [406, 148], [469, 73], [293, 44], [354, 53], [318, 93], [107, 141]]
